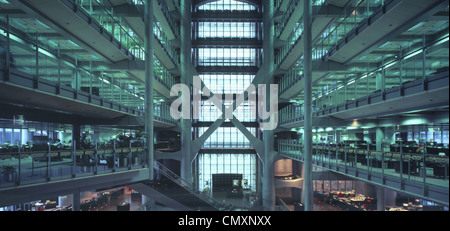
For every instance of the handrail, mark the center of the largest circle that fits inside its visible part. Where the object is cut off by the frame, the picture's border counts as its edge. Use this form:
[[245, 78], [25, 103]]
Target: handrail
[[387, 154], [413, 165], [283, 206], [20, 167]]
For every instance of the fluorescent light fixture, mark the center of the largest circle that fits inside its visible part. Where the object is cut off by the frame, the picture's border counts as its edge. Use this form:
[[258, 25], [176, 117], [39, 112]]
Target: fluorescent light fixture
[[384, 45], [46, 53], [390, 65], [42, 24], [17, 39], [416, 26], [53, 43], [19, 24], [413, 54], [73, 44], [446, 38], [105, 81]]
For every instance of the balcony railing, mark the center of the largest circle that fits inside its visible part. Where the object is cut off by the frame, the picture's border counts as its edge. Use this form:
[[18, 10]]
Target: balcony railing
[[23, 165], [33, 56], [412, 63], [333, 33], [419, 167]]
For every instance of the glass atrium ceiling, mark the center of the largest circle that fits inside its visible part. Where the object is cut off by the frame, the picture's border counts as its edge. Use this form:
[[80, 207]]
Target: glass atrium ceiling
[[231, 82]]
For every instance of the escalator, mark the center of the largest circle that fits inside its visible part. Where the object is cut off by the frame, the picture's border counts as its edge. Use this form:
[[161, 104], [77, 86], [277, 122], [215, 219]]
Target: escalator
[[176, 193]]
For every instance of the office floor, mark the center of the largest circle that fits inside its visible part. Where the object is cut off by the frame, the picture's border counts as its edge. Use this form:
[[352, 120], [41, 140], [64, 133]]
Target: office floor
[[240, 203], [135, 204]]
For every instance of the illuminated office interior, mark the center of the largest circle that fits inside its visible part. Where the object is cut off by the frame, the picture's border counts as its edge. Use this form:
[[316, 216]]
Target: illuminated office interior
[[362, 119]]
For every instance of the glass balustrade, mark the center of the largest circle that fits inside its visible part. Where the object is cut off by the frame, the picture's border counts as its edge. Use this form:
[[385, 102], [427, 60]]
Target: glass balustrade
[[286, 16], [161, 113], [290, 78], [172, 22], [278, 4], [415, 64], [291, 113], [333, 34], [174, 25], [22, 165], [279, 28], [39, 59], [164, 41], [412, 166], [103, 13], [162, 75]]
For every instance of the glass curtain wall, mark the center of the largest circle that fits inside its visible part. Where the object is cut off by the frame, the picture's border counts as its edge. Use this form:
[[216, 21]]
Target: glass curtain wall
[[210, 164], [227, 83]]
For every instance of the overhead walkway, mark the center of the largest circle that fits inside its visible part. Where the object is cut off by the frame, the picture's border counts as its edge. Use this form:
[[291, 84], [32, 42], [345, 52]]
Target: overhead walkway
[[290, 29], [75, 23], [23, 89], [44, 77], [421, 94], [387, 21], [81, 26], [342, 42]]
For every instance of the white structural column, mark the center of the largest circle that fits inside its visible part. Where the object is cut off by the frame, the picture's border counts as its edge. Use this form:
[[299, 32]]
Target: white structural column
[[381, 199], [149, 86], [268, 194], [186, 78], [307, 152], [379, 138], [76, 198]]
